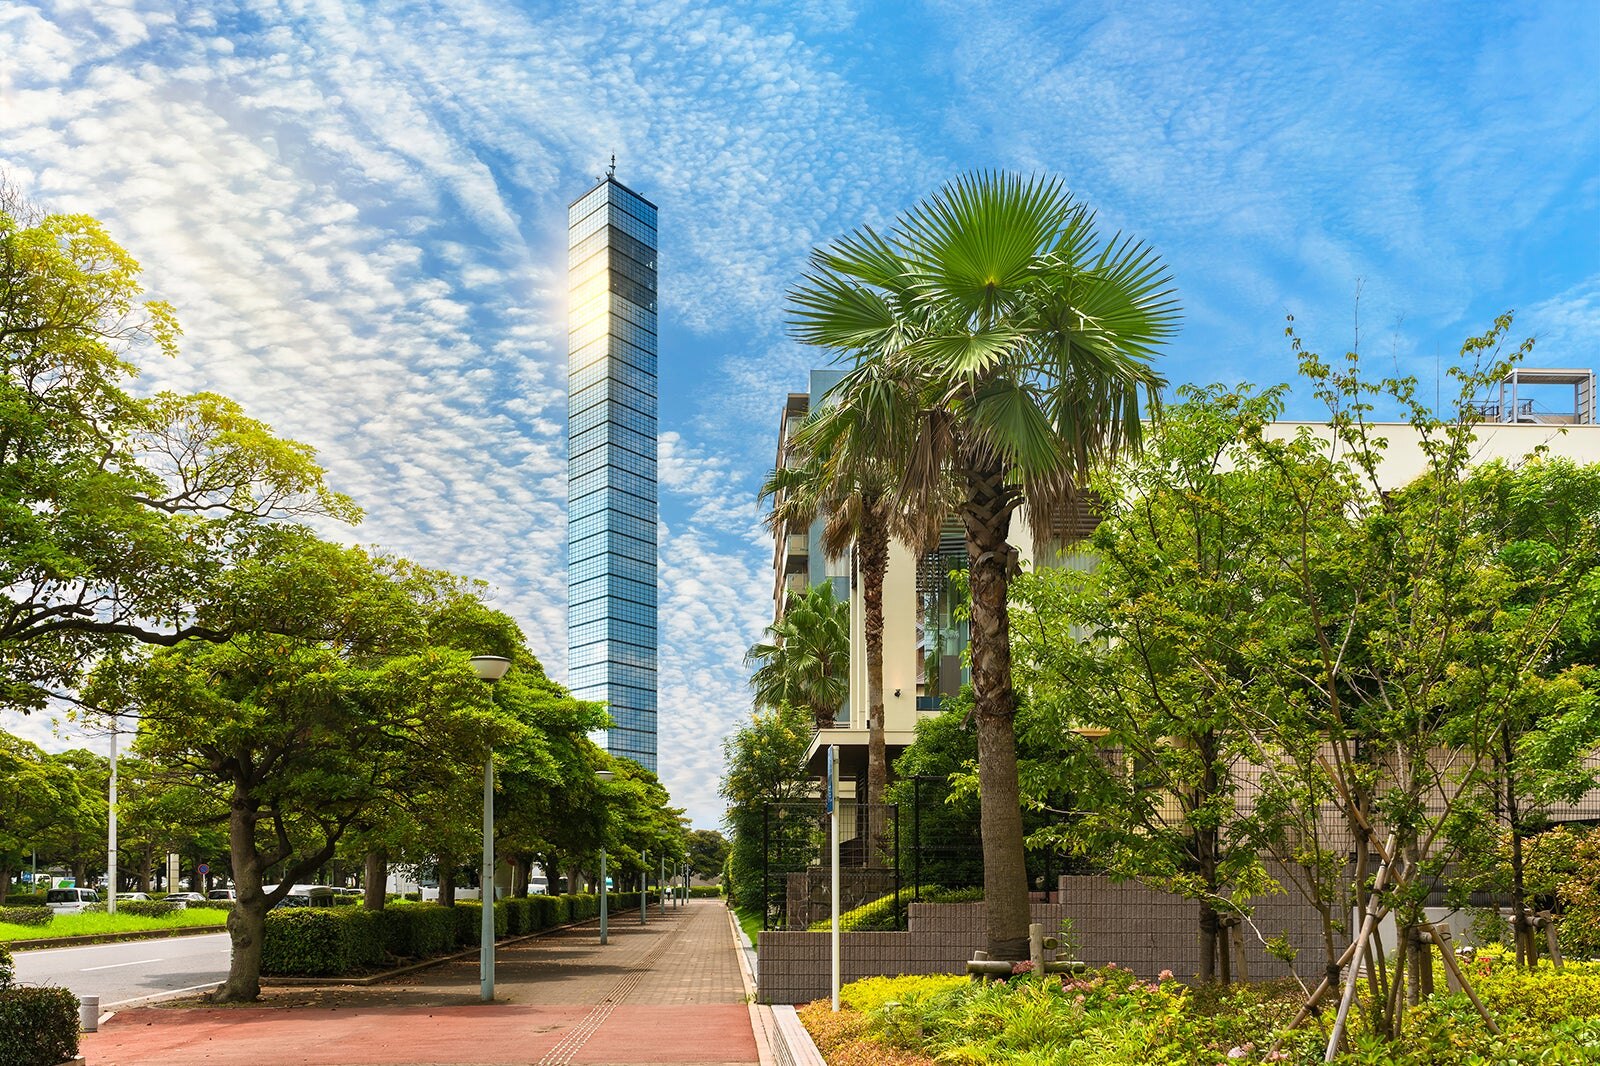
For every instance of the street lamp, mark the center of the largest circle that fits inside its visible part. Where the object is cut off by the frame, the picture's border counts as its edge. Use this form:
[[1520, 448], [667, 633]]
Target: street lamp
[[603, 776], [489, 668]]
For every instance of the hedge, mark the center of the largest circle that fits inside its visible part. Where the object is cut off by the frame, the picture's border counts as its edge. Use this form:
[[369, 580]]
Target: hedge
[[469, 922], [25, 899], [705, 891], [328, 941], [322, 941], [419, 932], [26, 915], [38, 1026], [147, 908]]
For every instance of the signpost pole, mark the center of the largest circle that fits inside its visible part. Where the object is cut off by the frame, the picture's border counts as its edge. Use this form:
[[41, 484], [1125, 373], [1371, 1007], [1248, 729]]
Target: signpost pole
[[833, 895]]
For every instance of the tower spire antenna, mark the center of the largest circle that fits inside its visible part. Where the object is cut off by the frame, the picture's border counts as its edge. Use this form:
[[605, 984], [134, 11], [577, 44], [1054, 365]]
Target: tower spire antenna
[[611, 172]]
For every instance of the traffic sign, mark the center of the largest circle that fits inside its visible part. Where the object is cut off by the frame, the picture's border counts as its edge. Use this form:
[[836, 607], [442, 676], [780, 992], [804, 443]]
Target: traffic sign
[[202, 869]]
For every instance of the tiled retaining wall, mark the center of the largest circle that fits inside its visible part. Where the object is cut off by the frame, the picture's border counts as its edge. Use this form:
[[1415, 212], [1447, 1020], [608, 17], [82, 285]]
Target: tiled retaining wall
[[1136, 927]]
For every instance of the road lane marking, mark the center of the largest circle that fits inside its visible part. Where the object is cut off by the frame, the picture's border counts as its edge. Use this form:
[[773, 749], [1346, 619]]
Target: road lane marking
[[114, 965], [171, 993]]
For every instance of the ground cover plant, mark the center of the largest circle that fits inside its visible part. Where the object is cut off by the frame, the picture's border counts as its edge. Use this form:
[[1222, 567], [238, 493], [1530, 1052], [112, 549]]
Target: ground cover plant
[[1110, 1017], [93, 924]]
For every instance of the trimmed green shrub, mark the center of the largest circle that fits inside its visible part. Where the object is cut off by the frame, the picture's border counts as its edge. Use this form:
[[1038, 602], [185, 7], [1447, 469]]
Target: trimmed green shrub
[[547, 911], [26, 915], [322, 941], [25, 899], [879, 915], [705, 891], [8, 968], [141, 908], [418, 932], [469, 922], [38, 1026], [346, 901]]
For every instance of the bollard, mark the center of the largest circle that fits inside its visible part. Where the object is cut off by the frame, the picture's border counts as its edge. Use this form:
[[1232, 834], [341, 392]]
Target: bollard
[[89, 1013]]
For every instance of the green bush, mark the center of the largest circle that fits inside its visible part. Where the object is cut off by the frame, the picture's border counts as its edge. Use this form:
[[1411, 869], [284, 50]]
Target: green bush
[[322, 941], [25, 899], [38, 1026], [146, 908], [469, 922], [8, 968], [346, 901], [418, 932], [549, 908], [26, 915], [880, 914], [705, 891]]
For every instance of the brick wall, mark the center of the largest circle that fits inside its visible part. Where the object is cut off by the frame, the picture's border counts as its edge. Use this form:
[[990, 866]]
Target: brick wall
[[1136, 927]]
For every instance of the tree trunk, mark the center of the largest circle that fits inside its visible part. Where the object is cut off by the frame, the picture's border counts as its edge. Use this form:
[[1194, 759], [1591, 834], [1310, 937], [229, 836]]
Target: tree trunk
[[5, 884], [1521, 922], [987, 517], [872, 550], [247, 921], [375, 880], [447, 880]]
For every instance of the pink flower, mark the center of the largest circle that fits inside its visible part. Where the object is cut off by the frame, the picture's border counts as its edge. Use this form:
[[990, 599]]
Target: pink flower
[[1078, 999], [1241, 1051], [1164, 975]]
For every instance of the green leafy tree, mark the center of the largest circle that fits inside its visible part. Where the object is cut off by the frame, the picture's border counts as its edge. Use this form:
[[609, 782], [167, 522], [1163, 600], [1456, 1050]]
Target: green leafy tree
[[708, 851], [119, 516], [1104, 651], [1027, 339], [302, 736], [765, 764], [805, 660], [30, 803]]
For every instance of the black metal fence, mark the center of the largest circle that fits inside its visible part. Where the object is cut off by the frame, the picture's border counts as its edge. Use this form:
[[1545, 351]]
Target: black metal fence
[[796, 871]]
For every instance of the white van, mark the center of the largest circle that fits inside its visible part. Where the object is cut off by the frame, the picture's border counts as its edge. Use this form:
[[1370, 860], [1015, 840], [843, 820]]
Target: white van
[[71, 900]]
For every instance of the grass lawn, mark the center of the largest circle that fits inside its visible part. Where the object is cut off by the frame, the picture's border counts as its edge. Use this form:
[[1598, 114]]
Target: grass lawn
[[95, 924], [749, 921]]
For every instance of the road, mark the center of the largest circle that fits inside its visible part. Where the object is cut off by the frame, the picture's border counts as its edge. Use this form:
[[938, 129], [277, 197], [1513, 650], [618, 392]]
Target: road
[[129, 970]]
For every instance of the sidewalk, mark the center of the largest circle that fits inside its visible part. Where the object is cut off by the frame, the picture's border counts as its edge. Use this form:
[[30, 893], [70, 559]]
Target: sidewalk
[[666, 992]]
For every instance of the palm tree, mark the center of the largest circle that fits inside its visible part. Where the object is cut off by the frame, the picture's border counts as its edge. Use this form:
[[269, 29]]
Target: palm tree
[[805, 661], [1028, 339], [842, 467]]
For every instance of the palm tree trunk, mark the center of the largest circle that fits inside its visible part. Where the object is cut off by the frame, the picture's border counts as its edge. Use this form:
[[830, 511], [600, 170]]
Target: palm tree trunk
[[987, 517], [873, 558]]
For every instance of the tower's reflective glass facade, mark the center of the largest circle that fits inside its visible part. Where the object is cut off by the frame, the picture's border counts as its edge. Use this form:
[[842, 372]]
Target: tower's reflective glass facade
[[611, 473]]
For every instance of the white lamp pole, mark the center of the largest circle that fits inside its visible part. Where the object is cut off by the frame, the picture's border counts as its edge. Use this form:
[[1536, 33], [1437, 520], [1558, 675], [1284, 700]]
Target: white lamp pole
[[489, 668], [603, 776], [111, 841]]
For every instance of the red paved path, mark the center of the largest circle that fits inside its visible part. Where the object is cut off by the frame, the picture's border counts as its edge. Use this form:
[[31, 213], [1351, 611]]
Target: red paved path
[[668, 992]]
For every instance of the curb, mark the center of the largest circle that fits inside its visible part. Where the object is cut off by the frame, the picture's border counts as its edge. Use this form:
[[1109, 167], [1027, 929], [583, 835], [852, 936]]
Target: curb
[[114, 938]]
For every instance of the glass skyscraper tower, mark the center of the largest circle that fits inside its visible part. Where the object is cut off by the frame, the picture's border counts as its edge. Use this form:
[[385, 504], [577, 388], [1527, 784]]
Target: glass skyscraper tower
[[611, 471]]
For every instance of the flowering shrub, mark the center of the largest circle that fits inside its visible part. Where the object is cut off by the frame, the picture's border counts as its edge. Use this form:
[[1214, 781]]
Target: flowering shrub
[[1111, 1017]]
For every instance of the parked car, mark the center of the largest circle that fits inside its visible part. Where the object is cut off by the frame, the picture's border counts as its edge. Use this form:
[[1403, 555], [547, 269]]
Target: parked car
[[185, 898], [133, 897], [304, 895], [226, 895], [71, 900]]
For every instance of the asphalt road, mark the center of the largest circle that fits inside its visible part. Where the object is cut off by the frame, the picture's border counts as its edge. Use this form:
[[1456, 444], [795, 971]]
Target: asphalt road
[[129, 970]]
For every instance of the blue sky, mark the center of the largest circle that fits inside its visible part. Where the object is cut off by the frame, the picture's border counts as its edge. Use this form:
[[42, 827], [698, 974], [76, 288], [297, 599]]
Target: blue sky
[[359, 210]]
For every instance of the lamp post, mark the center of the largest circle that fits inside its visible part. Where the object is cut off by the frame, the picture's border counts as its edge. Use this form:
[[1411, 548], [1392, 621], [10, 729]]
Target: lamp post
[[489, 668], [111, 827], [603, 776]]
